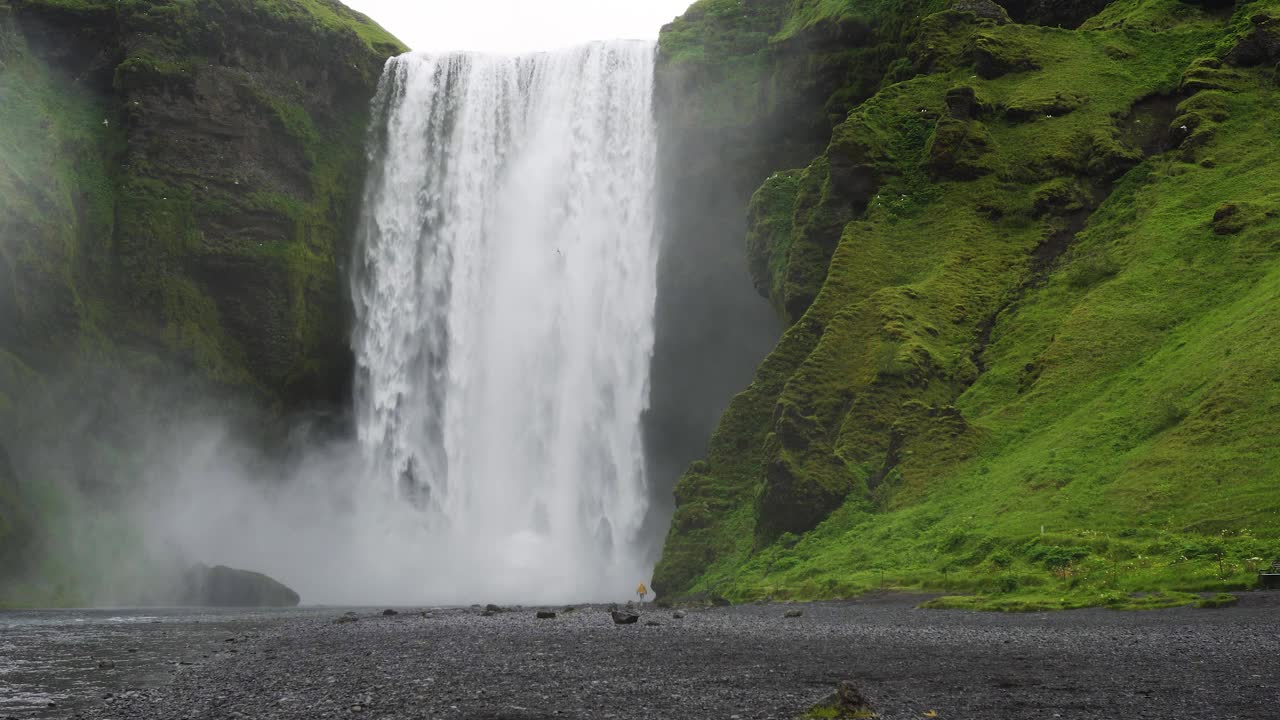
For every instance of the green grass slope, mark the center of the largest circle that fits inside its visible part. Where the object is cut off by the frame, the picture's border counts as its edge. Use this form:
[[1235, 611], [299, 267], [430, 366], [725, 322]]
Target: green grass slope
[[1039, 365]]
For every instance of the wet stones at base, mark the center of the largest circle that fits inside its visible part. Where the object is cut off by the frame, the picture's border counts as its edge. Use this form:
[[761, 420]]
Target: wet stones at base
[[624, 617]]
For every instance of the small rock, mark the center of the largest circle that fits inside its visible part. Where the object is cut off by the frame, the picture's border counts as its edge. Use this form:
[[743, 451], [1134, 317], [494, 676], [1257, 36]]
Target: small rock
[[795, 613], [652, 623], [624, 617], [546, 615], [494, 608], [106, 665], [488, 613], [846, 701], [678, 615], [357, 708], [389, 613], [345, 619]]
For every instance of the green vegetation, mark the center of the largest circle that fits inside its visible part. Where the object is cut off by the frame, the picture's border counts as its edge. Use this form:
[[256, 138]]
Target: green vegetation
[[1036, 365], [178, 184]]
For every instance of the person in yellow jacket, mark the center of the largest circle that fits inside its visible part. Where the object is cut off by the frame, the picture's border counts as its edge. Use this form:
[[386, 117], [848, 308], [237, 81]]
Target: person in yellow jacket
[[642, 591]]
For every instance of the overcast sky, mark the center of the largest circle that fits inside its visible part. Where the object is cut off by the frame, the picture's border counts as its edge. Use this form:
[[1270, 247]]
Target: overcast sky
[[517, 25]]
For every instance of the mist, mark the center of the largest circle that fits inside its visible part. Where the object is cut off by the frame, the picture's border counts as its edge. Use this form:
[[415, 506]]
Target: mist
[[198, 478]]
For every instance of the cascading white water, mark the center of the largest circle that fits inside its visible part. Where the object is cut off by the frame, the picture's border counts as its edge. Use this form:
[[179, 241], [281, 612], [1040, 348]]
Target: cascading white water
[[504, 286]]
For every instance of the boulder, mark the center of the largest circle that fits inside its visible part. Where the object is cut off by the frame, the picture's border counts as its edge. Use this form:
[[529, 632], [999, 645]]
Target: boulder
[[845, 702], [389, 613], [624, 617], [221, 586]]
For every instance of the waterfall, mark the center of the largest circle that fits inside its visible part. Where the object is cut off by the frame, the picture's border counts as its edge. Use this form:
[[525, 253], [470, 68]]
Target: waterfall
[[504, 285]]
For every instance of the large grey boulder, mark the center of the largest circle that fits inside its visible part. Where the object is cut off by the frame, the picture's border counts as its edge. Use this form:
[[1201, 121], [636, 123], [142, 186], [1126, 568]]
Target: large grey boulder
[[221, 586]]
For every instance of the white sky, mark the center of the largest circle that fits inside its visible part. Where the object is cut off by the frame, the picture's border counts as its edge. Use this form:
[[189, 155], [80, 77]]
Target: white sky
[[518, 25]]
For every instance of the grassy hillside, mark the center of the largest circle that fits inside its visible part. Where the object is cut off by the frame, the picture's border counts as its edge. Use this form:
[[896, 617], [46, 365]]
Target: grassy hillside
[[1032, 302]]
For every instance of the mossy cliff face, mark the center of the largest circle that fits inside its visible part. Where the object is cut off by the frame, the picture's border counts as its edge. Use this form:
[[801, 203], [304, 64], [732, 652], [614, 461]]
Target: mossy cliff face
[[1028, 288], [177, 184], [743, 88], [180, 178]]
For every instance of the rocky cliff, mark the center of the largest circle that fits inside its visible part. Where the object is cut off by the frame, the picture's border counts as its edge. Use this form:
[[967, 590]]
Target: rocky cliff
[[178, 181], [1029, 292]]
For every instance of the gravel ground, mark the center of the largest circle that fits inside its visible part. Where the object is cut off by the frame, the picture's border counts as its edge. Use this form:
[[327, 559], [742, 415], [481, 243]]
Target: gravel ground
[[740, 662]]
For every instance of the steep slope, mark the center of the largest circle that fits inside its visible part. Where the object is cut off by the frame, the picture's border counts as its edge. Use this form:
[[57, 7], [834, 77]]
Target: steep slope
[[1030, 303], [178, 180]]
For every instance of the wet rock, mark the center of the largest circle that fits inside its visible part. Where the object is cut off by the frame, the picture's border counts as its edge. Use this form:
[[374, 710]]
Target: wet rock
[[546, 615], [389, 613], [624, 617], [795, 613], [221, 586]]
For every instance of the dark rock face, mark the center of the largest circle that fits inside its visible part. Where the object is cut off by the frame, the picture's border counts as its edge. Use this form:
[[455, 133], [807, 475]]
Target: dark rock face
[[1261, 45], [209, 222], [222, 586], [1054, 13]]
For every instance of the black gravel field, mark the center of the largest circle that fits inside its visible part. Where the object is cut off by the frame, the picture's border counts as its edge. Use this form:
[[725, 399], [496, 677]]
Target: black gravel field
[[731, 663]]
